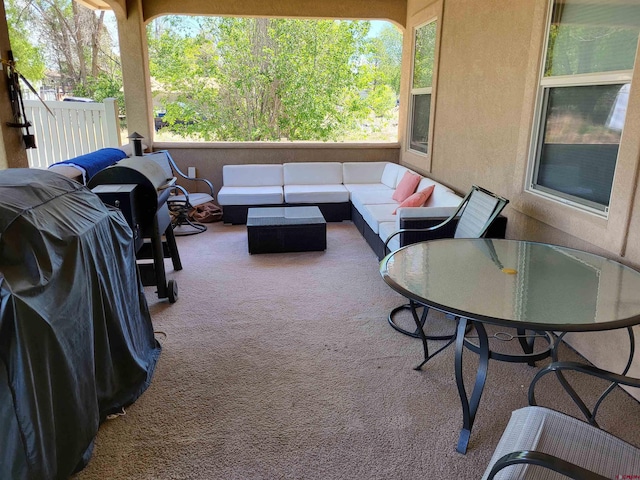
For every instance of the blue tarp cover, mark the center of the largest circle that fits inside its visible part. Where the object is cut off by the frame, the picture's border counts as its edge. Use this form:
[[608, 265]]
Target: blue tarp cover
[[92, 163]]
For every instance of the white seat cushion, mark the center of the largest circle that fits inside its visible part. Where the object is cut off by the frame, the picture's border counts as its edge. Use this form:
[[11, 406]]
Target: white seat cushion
[[315, 194], [376, 214], [252, 175], [375, 197], [312, 173], [264, 195], [362, 172], [548, 431], [386, 229]]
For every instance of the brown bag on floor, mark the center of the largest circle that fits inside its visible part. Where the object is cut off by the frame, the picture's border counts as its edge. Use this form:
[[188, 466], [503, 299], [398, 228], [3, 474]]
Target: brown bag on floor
[[206, 213]]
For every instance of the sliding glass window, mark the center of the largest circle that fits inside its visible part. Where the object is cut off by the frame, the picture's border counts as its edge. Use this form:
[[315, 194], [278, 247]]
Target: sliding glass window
[[584, 90]]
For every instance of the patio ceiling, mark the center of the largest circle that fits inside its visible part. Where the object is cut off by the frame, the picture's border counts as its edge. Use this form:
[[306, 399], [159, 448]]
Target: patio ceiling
[[393, 10], [95, 4]]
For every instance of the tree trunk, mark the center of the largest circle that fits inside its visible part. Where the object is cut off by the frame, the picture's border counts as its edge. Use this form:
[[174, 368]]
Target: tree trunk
[[95, 44], [78, 38]]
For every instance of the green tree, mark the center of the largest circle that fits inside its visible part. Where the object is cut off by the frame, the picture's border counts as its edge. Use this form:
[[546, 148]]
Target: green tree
[[29, 58], [72, 40], [260, 79], [386, 56], [182, 64]]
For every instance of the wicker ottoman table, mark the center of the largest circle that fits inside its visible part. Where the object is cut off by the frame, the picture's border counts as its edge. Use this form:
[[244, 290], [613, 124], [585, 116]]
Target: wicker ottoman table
[[286, 229]]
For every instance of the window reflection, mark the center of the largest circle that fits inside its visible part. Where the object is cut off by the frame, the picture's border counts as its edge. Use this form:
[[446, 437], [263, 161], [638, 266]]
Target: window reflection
[[581, 140]]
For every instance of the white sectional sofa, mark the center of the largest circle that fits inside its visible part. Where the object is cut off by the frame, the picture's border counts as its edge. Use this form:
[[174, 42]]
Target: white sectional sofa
[[357, 191]]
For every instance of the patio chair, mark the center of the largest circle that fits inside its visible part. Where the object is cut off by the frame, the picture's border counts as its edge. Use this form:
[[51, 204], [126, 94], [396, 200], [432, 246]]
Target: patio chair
[[542, 443], [182, 202], [472, 218]]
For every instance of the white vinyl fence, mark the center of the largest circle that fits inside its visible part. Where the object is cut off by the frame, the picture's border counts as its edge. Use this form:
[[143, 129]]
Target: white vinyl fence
[[76, 129]]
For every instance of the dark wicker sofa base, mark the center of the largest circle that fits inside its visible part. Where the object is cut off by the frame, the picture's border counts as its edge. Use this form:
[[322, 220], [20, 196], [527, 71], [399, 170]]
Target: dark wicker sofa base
[[337, 212], [497, 230], [332, 212]]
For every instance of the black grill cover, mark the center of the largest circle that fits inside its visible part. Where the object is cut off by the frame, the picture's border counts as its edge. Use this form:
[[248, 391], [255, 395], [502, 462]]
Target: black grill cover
[[76, 339]]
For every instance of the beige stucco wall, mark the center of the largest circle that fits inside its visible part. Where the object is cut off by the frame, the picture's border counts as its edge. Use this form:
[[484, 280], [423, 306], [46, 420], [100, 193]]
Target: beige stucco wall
[[482, 113], [488, 70]]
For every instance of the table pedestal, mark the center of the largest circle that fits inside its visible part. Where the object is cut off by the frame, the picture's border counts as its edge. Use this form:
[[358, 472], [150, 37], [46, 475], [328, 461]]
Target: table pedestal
[[470, 404]]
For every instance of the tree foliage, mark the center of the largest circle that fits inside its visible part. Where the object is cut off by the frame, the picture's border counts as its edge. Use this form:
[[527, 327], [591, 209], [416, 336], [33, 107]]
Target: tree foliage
[[71, 41], [28, 57], [253, 79], [386, 57]]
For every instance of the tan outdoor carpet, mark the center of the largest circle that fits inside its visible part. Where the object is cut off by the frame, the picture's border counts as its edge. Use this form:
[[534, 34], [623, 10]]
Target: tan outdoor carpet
[[283, 366]]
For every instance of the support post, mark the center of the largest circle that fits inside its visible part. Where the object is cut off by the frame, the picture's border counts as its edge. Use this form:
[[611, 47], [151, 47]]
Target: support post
[[135, 70], [12, 151]]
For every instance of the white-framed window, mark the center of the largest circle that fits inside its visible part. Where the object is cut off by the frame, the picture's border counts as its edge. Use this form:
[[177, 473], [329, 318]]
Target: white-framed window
[[424, 51], [584, 89]]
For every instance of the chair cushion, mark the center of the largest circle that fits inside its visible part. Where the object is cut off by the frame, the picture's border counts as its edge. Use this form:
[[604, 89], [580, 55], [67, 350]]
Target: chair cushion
[[251, 176], [548, 431], [407, 186], [315, 194], [265, 195], [313, 173], [475, 215], [418, 199]]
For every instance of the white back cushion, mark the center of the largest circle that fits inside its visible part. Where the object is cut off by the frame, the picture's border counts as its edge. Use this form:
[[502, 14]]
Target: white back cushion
[[442, 197], [252, 175], [427, 182], [401, 171], [390, 175], [362, 172], [312, 173]]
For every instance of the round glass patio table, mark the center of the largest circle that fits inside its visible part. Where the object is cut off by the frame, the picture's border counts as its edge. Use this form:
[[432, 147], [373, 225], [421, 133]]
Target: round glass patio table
[[512, 283]]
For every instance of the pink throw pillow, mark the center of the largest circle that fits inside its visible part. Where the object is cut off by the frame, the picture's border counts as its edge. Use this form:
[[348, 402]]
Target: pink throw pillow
[[406, 187], [418, 199]]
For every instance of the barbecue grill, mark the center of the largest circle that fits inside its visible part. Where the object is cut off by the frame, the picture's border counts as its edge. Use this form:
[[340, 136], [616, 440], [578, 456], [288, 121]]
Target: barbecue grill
[[140, 188]]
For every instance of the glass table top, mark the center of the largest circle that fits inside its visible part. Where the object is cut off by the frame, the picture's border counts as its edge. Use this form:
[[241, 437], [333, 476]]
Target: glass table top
[[265, 216], [511, 282]]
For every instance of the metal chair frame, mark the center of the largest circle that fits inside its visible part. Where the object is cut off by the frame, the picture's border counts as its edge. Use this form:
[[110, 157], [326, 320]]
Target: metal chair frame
[[420, 319], [548, 460], [182, 205]]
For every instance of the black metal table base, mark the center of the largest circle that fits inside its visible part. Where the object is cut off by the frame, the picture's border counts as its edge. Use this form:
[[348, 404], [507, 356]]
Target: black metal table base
[[471, 403], [419, 330], [412, 307]]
